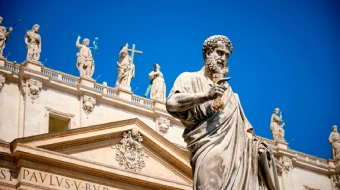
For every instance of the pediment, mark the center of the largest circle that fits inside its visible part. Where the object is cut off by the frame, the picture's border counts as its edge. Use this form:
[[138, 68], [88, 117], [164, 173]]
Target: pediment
[[95, 149]]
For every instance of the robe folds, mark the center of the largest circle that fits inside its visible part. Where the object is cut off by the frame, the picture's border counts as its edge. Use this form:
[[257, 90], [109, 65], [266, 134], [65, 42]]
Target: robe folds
[[224, 156]]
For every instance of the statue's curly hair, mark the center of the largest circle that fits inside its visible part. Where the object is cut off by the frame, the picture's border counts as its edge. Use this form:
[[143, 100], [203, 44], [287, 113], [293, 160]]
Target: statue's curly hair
[[211, 43]]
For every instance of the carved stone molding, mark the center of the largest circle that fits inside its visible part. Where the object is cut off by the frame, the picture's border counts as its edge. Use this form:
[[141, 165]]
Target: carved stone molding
[[129, 152], [88, 104], [287, 165], [309, 188], [2, 82], [336, 180], [34, 88], [163, 125]]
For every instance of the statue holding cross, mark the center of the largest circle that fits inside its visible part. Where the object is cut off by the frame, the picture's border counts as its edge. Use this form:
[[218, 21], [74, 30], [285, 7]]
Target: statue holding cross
[[126, 67]]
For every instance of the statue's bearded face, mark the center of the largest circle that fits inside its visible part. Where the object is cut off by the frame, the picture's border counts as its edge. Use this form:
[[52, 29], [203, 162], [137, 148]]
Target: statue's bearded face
[[217, 60]]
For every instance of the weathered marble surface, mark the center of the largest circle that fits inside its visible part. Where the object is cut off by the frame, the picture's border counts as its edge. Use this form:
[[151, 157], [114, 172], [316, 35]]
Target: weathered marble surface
[[225, 153], [33, 43], [85, 62], [158, 88], [334, 139], [4, 34], [126, 69], [276, 126]]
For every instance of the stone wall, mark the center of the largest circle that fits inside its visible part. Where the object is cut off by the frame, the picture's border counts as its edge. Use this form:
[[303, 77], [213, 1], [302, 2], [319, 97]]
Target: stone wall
[[65, 95]]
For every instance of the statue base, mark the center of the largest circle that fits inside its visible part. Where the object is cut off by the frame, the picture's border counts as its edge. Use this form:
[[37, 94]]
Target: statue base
[[159, 104], [281, 144], [2, 61], [124, 93], [87, 81], [32, 65], [123, 88]]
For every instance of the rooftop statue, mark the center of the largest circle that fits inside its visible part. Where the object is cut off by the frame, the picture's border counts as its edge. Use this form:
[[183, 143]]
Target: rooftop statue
[[126, 69], [334, 139], [33, 43], [4, 34], [158, 88], [85, 62], [225, 153], [276, 125]]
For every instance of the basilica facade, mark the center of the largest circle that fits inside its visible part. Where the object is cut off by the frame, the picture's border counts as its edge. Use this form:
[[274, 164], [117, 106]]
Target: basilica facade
[[59, 131]]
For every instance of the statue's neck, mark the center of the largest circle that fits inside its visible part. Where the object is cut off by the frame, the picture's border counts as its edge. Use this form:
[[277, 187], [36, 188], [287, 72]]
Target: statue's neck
[[206, 72]]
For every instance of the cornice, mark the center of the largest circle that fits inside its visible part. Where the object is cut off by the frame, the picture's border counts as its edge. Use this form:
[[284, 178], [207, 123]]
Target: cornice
[[82, 136], [79, 89], [28, 157]]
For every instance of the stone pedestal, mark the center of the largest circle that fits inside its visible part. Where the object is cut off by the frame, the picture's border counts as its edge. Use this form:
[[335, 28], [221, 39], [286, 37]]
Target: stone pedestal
[[336, 163], [2, 61], [124, 93], [281, 144], [87, 81], [32, 65], [160, 105]]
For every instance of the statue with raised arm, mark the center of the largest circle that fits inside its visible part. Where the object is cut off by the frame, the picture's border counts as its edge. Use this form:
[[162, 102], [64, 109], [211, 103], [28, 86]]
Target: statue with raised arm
[[334, 139], [158, 88], [85, 62], [126, 69], [4, 34], [276, 126], [225, 153], [33, 43]]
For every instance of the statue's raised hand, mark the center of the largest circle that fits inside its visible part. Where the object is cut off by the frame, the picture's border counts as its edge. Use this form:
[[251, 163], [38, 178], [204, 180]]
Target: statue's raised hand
[[216, 90], [78, 37]]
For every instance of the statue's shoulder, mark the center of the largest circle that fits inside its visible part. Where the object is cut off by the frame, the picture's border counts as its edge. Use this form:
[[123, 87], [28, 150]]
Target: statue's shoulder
[[189, 75]]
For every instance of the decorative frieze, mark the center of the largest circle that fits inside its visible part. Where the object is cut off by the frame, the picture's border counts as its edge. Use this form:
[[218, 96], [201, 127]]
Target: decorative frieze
[[129, 153], [287, 165], [163, 125], [88, 104], [336, 180]]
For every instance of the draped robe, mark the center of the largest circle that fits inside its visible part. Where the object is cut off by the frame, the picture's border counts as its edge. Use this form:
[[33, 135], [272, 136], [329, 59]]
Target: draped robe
[[158, 88], [223, 154]]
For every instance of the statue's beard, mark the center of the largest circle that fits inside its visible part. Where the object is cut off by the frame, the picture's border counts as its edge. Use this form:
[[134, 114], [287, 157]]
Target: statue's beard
[[212, 66]]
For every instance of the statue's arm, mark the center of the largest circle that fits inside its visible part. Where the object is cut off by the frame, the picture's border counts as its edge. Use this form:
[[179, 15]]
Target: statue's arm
[[8, 32], [277, 118], [153, 74], [179, 102], [78, 45], [184, 101], [330, 138], [26, 38]]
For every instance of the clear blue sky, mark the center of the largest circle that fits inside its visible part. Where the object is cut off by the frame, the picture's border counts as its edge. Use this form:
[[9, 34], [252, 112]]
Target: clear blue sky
[[285, 51]]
